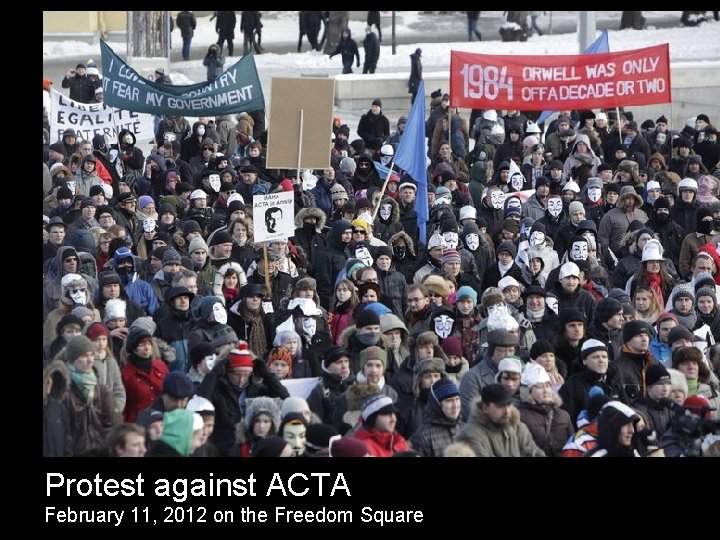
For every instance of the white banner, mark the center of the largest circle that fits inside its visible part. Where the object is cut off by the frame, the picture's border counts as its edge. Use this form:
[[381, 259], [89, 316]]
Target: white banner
[[300, 387], [89, 119], [274, 216]]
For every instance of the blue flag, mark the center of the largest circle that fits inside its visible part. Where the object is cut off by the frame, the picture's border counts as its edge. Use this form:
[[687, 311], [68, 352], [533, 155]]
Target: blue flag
[[410, 156], [600, 45]]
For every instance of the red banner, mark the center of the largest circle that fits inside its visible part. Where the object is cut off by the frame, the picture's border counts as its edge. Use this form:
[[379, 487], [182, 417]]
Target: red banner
[[538, 83]]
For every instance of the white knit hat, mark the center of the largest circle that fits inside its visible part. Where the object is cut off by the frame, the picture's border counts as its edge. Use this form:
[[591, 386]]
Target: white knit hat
[[115, 308], [653, 251], [534, 374]]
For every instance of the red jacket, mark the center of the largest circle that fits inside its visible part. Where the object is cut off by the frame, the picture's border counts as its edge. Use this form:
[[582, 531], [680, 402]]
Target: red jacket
[[381, 443], [141, 388]]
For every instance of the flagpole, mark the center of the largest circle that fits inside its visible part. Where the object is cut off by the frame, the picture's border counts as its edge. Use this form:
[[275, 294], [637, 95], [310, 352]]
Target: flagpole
[[382, 191], [617, 112], [300, 139]]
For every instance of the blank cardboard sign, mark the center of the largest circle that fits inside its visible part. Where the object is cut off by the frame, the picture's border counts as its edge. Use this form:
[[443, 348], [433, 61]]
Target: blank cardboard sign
[[315, 98]]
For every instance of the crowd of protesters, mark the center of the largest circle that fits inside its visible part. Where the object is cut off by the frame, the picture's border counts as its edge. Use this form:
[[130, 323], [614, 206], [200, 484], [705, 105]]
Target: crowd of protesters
[[563, 302]]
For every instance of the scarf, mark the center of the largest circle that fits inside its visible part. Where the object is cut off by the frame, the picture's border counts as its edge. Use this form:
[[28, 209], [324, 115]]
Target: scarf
[[706, 318], [361, 379], [504, 268], [343, 307], [143, 364], [256, 338], [534, 316], [693, 386], [688, 321], [654, 280], [230, 293], [85, 381], [470, 339]]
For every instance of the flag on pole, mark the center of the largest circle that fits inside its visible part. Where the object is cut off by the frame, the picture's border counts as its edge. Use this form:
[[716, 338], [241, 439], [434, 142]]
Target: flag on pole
[[600, 45], [410, 156]]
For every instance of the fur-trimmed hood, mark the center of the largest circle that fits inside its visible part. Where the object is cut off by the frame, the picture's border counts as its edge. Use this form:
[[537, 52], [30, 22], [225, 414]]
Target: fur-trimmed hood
[[402, 235], [359, 392], [311, 211], [262, 404], [526, 397], [220, 276], [394, 212], [344, 338], [57, 371]]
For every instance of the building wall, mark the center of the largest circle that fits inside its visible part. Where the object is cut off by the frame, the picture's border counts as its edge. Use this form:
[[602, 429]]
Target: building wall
[[73, 22]]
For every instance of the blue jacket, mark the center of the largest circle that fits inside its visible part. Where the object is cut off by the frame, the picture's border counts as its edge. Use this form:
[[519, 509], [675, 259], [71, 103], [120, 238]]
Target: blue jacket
[[661, 352]]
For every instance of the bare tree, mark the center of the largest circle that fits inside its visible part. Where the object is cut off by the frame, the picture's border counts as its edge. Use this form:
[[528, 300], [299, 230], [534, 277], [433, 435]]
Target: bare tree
[[149, 33]]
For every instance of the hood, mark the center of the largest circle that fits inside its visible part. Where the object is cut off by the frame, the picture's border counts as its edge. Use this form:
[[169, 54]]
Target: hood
[[262, 404], [58, 372], [390, 321], [124, 132], [359, 392], [394, 212], [346, 334], [404, 236], [311, 211], [336, 231], [581, 138], [660, 158], [178, 430], [160, 160]]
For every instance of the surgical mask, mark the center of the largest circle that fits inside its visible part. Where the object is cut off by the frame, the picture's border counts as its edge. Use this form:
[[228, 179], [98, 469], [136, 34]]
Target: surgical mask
[[201, 130], [517, 181], [537, 238], [385, 211], [309, 325], [443, 325], [368, 339], [594, 194], [451, 239], [219, 313], [215, 182], [497, 198], [79, 296], [399, 251], [579, 251], [210, 361], [555, 207], [472, 241]]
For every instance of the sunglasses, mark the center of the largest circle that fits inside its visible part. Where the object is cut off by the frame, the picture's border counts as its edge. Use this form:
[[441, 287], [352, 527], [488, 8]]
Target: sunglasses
[[359, 232]]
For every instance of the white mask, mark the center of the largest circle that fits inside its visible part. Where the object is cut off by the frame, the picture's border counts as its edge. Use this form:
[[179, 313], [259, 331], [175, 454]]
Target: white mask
[[215, 182], [385, 159], [537, 238], [451, 239], [71, 184], [267, 307], [555, 207], [579, 251], [594, 194], [148, 225], [79, 297], [309, 325], [364, 255], [661, 138], [385, 211], [443, 325], [552, 303], [497, 198], [517, 181], [472, 241], [210, 360], [219, 313], [201, 130], [169, 136]]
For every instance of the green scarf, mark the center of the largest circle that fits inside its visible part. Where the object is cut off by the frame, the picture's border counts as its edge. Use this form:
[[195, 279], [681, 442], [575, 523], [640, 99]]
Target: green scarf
[[693, 386], [85, 381]]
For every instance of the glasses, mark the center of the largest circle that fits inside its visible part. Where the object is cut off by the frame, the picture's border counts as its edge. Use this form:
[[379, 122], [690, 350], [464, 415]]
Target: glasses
[[359, 232]]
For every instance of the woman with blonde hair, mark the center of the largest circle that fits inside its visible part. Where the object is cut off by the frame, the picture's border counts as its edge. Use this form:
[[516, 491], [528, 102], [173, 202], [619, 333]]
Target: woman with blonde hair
[[646, 304]]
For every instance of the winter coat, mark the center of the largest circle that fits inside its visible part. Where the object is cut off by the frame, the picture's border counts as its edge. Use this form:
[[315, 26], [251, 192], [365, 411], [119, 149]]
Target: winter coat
[[348, 406], [574, 392], [186, 22], [415, 73], [225, 24], [90, 423], [141, 388], [614, 225], [381, 443], [393, 290], [657, 415], [490, 440], [57, 437], [533, 208], [631, 368], [310, 242], [549, 425], [479, 376], [436, 432], [689, 249], [373, 129], [324, 396]]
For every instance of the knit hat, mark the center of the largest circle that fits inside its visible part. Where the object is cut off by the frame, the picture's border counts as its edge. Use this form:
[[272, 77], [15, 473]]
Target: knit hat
[[534, 374], [443, 389], [280, 354], [377, 102], [678, 333], [703, 279], [682, 290], [191, 226], [506, 246], [569, 269], [452, 346], [373, 353], [337, 192], [678, 381], [96, 329], [511, 225], [200, 405], [656, 373], [177, 385], [109, 277], [466, 292], [240, 356], [606, 309], [333, 354], [635, 328], [222, 334], [375, 405], [318, 436], [365, 318], [508, 281], [269, 447], [221, 237], [502, 338], [509, 364], [613, 416], [78, 346], [449, 256], [82, 312], [347, 447], [653, 251], [592, 345], [569, 315], [196, 243], [171, 256], [541, 347]]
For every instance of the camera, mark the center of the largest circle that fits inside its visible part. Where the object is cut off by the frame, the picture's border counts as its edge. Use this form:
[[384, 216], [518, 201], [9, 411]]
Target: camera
[[687, 431]]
